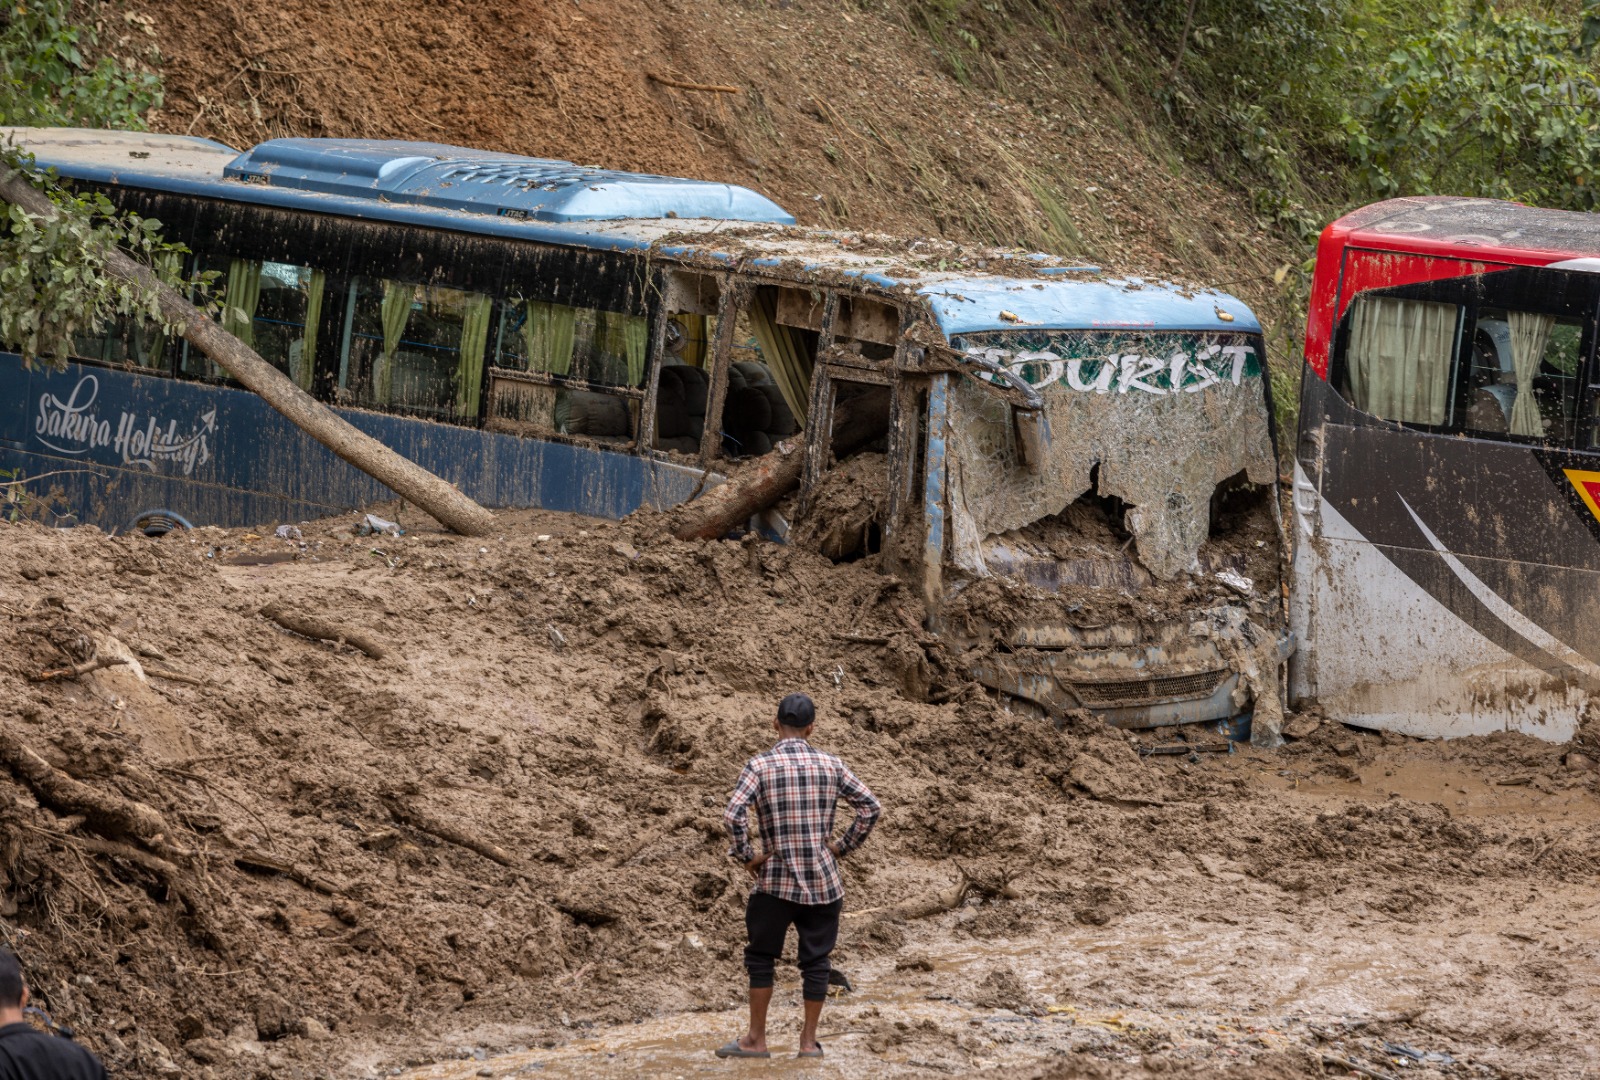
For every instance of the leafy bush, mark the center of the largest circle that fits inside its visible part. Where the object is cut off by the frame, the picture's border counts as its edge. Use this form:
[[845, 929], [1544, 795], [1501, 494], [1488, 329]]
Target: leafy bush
[[46, 78], [1259, 86], [1483, 104], [53, 282]]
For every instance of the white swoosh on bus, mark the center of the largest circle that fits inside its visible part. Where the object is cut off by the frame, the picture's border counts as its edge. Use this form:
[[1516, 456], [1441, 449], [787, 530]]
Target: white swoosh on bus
[[1516, 620]]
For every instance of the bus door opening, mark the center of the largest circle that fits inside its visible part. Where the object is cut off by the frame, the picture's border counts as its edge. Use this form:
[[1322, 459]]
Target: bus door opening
[[844, 503]]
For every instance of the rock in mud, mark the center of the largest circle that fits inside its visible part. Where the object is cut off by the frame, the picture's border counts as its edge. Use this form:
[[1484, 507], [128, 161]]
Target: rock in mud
[[589, 903], [274, 1017], [1301, 727], [1003, 989]]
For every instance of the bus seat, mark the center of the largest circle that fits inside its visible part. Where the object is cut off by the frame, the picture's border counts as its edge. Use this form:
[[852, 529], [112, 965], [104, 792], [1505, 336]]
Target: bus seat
[[681, 407], [583, 412], [756, 416], [1490, 410]]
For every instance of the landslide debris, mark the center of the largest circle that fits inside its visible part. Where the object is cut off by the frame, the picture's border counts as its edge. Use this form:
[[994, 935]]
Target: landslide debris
[[245, 852]]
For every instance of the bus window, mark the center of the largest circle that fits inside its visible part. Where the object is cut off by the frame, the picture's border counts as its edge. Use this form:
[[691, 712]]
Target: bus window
[[684, 392], [1522, 373], [1398, 357], [128, 341], [769, 379], [275, 308], [414, 348], [138, 343], [587, 365]]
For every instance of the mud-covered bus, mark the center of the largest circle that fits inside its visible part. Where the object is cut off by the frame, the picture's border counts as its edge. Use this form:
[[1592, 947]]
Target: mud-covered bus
[[1076, 471], [1447, 477]]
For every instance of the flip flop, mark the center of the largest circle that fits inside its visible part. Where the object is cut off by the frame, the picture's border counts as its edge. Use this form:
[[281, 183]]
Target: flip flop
[[811, 1053], [734, 1050]]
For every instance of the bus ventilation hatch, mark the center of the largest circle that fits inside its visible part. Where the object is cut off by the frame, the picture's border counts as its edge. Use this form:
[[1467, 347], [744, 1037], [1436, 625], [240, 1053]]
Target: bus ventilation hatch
[[550, 176]]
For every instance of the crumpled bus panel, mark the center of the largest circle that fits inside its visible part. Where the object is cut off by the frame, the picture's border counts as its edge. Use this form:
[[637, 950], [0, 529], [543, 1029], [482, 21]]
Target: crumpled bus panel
[[1157, 421], [1148, 428]]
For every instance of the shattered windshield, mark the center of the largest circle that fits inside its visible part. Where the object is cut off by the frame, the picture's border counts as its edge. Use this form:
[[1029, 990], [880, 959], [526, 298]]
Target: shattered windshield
[[1156, 420]]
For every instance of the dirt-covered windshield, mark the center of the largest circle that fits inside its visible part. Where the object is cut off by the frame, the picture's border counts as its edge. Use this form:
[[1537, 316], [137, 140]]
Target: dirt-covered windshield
[[1156, 420]]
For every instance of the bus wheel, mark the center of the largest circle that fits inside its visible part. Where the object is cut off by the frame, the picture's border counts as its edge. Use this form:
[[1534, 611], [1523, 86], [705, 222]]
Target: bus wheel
[[158, 522]]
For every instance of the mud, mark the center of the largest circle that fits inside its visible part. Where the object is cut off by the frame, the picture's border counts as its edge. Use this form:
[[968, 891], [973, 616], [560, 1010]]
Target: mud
[[578, 695]]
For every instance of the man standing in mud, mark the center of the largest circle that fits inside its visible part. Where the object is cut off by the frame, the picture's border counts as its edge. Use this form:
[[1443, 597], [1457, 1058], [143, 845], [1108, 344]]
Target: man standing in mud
[[794, 788]]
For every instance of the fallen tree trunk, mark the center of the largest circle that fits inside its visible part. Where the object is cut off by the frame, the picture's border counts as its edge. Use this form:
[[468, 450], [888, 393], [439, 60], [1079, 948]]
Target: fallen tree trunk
[[108, 815], [311, 627], [404, 477], [732, 503], [427, 823], [920, 907]]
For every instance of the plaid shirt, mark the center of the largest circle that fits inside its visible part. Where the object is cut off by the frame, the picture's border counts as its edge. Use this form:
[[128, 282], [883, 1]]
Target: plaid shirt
[[795, 788]]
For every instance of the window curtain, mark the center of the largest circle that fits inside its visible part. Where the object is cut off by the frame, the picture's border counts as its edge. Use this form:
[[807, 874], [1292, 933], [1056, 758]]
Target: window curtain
[[308, 338], [1399, 358], [625, 336], [152, 334], [636, 338], [547, 336], [239, 305], [1529, 335], [474, 340], [781, 348], [396, 312]]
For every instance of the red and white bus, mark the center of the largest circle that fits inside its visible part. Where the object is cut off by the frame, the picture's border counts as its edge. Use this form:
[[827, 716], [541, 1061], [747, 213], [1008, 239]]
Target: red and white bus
[[1447, 475]]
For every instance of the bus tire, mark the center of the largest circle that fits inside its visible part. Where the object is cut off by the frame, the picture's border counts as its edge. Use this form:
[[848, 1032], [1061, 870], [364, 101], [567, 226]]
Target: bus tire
[[157, 522]]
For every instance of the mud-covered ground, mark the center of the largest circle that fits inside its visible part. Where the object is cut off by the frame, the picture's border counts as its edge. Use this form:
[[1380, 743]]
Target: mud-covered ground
[[493, 849]]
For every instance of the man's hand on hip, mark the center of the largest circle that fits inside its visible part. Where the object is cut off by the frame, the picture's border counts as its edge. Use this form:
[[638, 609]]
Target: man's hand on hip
[[754, 865]]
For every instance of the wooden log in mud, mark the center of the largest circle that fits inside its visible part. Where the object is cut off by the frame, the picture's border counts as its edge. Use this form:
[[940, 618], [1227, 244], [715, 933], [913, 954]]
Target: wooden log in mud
[[107, 814], [421, 819], [772, 476], [682, 820], [312, 627], [920, 907], [96, 664]]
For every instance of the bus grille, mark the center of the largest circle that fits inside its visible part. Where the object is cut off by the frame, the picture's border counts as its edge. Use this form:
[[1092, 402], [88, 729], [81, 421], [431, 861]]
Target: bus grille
[[1141, 691]]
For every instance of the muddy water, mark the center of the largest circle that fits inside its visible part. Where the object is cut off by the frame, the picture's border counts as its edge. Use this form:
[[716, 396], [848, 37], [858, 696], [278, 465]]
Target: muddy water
[[1180, 987], [1466, 790]]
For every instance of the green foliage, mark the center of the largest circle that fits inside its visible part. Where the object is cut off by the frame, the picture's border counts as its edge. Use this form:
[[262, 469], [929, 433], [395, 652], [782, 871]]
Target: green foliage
[[46, 77], [53, 279], [1485, 104], [1258, 88], [1324, 103]]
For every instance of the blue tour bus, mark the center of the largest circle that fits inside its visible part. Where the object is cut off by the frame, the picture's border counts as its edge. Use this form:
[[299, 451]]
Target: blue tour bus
[[1091, 457]]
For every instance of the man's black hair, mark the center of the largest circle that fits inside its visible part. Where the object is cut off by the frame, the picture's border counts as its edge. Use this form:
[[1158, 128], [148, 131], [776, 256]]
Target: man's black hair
[[10, 980], [796, 712]]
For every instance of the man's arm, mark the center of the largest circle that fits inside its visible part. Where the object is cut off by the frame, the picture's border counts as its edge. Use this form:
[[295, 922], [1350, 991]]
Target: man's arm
[[737, 816], [867, 810]]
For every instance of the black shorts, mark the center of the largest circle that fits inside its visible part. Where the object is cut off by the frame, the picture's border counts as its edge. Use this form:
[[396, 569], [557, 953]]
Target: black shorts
[[767, 919]]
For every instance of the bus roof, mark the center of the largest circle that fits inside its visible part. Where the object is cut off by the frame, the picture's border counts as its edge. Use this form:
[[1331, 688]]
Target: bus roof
[[538, 199], [1479, 229]]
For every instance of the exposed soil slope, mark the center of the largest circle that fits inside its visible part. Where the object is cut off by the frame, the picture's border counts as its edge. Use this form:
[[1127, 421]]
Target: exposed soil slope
[[503, 833]]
